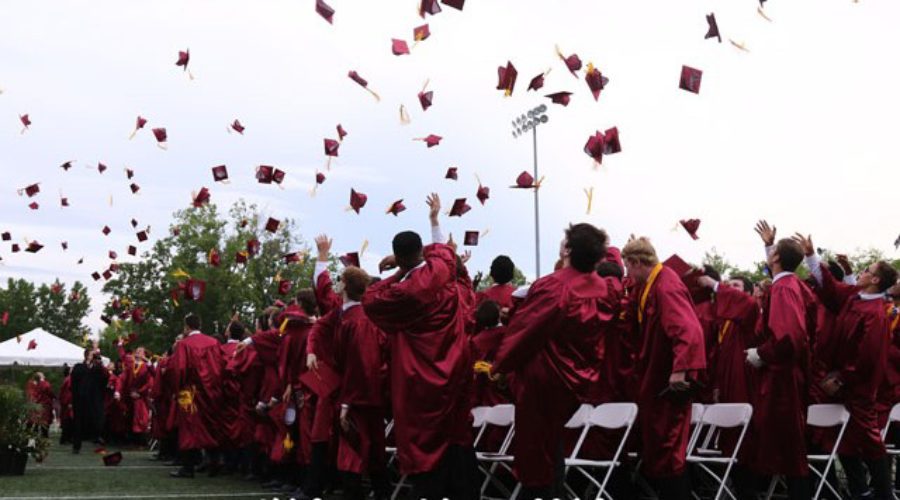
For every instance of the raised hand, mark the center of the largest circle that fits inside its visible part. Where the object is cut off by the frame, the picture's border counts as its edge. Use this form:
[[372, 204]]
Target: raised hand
[[323, 245], [766, 232], [466, 256], [387, 263], [434, 206], [806, 242], [452, 244]]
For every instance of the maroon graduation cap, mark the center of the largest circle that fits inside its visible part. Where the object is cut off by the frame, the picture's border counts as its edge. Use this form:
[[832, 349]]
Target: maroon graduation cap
[[237, 127], [470, 239], [101, 167], [32, 345], [331, 147], [194, 290], [253, 247], [421, 33], [536, 82], [525, 181], [6, 236], [456, 4], [691, 226], [272, 225], [325, 10], [353, 75], [713, 31], [161, 136], [396, 207], [320, 177], [341, 132], [432, 140], [594, 146], [595, 80], [284, 287], [323, 382], [220, 173], [452, 173], [399, 47], [134, 190], [506, 77], [184, 57], [132, 250], [31, 190], [139, 124], [34, 205], [459, 208], [690, 79], [560, 98], [425, 99], [66, 166], [201, 198], [350, 259], [572, 62], [483, 193], [690, 277], [611, 143], [430, 7], [213, 258], [112, 459], [26, 121], [357, 200], [34, 247]]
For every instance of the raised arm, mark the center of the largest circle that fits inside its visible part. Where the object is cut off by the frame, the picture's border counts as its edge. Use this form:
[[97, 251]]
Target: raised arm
[[323, 288], [830, 291]]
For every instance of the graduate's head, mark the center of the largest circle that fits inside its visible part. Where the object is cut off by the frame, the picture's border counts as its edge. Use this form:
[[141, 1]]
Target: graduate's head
[[640, 258], [879, 277], [741, 282], [355, 282], [836, 270], [38, 376], [271, 313], [584, 245], [487, 315], [88, 354], [263, 321], [191, 323], [407, 247], [894, 293], [502, 269], [710, 271], [306, 299], [235, 331], [608, 269], [140, 353], [66, 370], [787, 256]]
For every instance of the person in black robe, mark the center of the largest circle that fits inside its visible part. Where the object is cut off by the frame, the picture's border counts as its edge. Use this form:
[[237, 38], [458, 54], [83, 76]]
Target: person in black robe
[[89, 381]]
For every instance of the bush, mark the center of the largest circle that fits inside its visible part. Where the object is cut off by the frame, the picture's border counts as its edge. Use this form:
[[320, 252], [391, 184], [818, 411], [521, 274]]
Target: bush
[[15, 433]]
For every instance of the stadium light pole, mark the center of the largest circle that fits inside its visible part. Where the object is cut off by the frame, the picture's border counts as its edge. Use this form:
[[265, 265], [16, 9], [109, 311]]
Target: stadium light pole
[[531, 120]]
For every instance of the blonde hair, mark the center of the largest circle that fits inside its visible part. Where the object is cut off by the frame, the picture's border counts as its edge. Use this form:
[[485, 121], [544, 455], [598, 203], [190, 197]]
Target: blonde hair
[[640, 250]]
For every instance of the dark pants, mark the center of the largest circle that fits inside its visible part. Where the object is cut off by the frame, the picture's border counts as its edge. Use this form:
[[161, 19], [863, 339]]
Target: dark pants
[[190, 459], [353, 489], [878, 469], [454, 478], [84, 429], [673, 488], [65, 426]]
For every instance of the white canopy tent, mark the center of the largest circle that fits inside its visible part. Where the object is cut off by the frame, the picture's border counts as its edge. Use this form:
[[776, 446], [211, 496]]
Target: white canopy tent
[[49, 350]]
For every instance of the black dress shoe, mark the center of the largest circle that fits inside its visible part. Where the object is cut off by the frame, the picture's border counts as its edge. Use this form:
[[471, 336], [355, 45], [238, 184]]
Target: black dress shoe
[[273, 484], [182, 473]]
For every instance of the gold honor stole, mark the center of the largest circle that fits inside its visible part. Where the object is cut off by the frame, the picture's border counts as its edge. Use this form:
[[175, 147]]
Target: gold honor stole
[[646, 293]]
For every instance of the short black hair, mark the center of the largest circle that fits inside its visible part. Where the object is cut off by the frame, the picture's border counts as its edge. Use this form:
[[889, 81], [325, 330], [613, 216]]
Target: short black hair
[[747, 282], [236, 331], [263, 320], [487, 315], [192, 321], [790, 254], [609, 269], [836, 270], [502, 270], [587, 245], [710, 271], [407, 245]]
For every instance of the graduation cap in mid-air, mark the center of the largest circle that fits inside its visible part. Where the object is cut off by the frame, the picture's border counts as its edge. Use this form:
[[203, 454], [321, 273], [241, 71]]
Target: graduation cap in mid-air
[[562, 98], [691, 226], [471, 238], [357, 200], [325, 10], [506, 77], [713, 31], [690, 79], [459, 208]]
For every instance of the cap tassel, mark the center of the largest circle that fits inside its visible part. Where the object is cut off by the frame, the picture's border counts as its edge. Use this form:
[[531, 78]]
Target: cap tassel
[[427, 81], [739, 45], [374, 94], [590, 198], [486, 232], [133, 133], [760, 11], [404, 116], [365, 246], [283, 326]]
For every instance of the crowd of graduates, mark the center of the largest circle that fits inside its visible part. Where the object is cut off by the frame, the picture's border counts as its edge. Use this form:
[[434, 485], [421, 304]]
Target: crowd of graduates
[[365, 378]]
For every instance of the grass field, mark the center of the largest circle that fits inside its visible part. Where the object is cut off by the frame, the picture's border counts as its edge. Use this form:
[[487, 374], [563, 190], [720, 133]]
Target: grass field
[[67, 476]]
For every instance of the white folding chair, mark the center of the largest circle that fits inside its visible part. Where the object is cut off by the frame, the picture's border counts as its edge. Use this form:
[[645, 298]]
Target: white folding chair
[[893, 417], [715, 417], [478, 414], [502, 416], [605, 416], [826, 416], [697, 410]]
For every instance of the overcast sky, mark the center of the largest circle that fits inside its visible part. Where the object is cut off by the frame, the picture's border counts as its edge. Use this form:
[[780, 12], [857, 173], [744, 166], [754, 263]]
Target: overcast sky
[[800, 130]]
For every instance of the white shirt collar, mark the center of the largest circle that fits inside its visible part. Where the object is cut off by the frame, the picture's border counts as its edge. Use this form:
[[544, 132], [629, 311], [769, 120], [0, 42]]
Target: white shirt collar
[[232, 341], [195, 332], [405, 276], [872, 296], [780, 275], [349, 304]]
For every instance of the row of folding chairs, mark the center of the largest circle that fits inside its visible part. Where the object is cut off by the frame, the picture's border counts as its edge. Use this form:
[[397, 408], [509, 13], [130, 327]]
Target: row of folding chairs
[[703, 452]]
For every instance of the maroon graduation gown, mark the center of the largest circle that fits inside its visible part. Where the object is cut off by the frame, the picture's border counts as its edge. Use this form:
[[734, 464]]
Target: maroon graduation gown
[[779, 419], [553, 345], [501, 294], [196, 368], [671, 340], [429, 370], [889, 393], [41, 394], [863, 333], [136, 377], [360, 354], [321, 343]]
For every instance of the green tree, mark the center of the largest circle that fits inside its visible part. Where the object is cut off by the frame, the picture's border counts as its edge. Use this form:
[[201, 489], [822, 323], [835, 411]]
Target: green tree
[[152, 285], [518, 280], [718, 262], [62, 312], [17, 299]]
